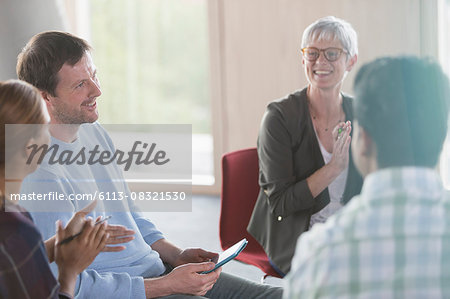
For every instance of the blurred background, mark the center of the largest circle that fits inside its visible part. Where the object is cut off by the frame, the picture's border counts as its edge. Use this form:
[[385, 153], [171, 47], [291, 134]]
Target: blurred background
[[215, 64]]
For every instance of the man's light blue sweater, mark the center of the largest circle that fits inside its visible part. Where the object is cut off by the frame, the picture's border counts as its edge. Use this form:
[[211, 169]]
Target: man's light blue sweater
[[112, 274]]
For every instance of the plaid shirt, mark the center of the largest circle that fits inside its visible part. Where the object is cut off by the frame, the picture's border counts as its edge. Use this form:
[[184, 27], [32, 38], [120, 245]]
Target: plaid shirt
[[24, 268], [392, 241]]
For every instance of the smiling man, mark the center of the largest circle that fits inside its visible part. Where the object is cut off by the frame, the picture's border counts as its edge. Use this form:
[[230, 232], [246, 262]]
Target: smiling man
[[72, 105], [61, 67]]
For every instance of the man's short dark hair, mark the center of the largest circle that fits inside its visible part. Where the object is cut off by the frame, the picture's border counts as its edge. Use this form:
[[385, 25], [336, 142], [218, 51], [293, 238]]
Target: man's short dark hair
[[402, 103], [45, 54]]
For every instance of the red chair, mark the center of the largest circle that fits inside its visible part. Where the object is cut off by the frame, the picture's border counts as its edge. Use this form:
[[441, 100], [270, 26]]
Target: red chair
[[239, 193]]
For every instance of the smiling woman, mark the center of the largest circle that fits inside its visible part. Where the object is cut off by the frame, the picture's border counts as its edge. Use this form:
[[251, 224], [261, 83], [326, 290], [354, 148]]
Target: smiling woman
[[304, 143]]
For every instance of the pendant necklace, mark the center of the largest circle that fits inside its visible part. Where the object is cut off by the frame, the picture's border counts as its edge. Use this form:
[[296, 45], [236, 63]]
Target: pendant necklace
[[315, 118], [325, 129]]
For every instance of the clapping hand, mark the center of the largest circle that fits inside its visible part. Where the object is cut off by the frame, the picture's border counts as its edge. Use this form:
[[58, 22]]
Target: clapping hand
[[117, 233]]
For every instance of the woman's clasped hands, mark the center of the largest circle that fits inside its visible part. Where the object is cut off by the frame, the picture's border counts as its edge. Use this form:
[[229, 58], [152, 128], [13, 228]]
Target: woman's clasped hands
[[73, 256], [342, 140]]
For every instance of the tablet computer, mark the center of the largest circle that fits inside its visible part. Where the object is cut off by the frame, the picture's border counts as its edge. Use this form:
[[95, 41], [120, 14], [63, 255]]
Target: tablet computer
[[229, 254]]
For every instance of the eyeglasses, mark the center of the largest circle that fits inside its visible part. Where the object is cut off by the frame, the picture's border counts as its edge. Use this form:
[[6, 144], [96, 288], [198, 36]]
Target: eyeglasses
[[331, 54]]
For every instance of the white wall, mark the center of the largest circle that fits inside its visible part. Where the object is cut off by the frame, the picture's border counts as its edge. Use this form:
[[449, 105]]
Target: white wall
[[19, 21]]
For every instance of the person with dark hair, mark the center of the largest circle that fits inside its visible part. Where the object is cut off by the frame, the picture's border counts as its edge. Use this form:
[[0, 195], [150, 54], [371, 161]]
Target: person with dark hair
[[391, 241], [414, 122], [150, 266], [305, 172], [44, 55]]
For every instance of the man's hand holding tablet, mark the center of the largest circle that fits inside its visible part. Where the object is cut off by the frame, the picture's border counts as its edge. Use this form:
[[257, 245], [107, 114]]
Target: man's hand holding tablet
[[229, 254]]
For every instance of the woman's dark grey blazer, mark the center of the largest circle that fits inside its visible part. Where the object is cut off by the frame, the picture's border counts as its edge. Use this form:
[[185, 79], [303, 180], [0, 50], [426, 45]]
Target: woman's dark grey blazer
[[288, 153]]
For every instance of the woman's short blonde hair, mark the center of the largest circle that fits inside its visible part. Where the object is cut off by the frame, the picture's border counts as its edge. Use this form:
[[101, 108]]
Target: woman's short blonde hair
[[332, 28]]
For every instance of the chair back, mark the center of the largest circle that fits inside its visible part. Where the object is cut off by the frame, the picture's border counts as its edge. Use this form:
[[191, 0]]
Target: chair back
[[240, 188]]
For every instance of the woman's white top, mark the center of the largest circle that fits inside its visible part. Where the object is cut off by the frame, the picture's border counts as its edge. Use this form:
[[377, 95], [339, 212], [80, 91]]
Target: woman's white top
[[335, 189]]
